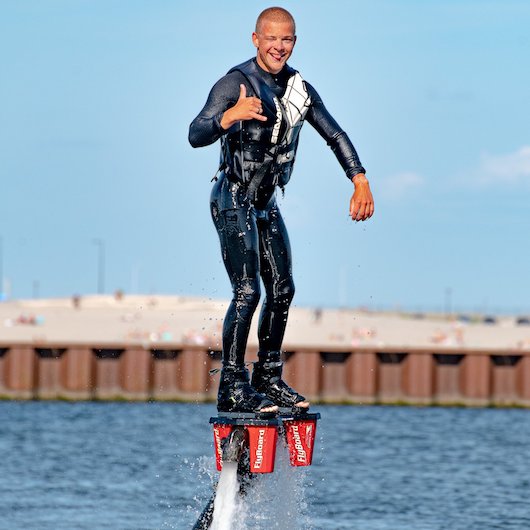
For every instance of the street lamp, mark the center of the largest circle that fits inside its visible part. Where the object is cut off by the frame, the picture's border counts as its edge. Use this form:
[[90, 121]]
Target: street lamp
[[448, 301], [101, 264], [1, 269]]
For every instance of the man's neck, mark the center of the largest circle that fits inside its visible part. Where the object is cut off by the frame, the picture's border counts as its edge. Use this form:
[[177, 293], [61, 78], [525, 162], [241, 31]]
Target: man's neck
[[278, 77]]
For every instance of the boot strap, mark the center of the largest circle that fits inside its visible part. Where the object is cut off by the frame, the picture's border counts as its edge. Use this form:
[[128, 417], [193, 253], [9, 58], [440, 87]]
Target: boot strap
[[269, 365]]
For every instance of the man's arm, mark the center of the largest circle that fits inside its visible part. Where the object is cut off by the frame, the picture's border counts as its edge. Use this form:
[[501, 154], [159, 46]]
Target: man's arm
[[227, 104], [362, 202]]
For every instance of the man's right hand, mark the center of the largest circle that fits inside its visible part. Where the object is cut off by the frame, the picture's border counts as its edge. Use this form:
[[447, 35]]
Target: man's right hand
[[245, 109]]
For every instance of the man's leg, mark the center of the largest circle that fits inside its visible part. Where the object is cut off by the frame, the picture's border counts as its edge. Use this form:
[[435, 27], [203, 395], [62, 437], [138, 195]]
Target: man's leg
[[239, 247], [238, 236], [276, 272]]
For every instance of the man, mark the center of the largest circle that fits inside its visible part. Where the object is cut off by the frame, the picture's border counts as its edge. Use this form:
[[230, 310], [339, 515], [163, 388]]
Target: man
[[257, 111]]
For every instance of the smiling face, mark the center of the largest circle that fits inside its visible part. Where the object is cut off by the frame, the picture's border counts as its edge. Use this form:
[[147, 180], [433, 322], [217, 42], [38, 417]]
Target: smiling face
[[275, 41]]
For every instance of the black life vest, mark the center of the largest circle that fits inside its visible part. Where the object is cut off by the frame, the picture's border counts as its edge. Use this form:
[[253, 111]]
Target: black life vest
[[255, 152]]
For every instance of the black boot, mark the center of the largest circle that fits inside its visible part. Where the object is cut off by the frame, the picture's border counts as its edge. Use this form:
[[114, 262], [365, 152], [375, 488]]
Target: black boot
[[235, 393], [267, 379]]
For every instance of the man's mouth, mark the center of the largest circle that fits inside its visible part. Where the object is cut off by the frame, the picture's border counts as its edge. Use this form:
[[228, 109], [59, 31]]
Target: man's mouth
[[276, 57]]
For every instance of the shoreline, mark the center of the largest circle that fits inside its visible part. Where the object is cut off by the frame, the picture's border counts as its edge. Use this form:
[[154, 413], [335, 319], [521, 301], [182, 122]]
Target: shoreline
[[183, 320]]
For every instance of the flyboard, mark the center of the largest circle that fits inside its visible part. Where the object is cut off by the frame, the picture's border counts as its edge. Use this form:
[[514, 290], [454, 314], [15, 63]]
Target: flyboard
[[251, 439]]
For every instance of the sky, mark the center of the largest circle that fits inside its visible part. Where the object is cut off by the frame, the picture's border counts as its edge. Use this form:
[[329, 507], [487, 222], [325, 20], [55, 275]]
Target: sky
[[96, 100]]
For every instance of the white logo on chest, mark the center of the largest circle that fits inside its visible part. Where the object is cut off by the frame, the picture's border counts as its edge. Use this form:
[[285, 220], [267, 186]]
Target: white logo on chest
[[278, 124], [296, 102], [293, 107]]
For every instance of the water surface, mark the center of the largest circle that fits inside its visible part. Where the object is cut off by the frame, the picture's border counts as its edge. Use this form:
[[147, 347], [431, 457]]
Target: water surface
[[125, 466]]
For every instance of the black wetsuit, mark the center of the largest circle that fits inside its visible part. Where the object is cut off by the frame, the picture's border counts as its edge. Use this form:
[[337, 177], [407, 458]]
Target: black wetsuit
[[257, 157]]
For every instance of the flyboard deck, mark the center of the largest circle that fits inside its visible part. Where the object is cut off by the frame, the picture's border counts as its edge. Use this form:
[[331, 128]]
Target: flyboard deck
[[250, 440]]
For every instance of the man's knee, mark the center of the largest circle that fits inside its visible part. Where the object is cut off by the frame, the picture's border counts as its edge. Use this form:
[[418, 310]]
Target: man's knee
[[283, 292], [247, 293]]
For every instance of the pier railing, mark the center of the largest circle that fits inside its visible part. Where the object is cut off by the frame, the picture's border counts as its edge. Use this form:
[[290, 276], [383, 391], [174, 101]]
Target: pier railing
[[182, 372]]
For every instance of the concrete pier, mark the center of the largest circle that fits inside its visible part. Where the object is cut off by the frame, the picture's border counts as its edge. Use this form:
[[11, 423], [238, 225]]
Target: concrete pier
[[168, 348], [182, 372]]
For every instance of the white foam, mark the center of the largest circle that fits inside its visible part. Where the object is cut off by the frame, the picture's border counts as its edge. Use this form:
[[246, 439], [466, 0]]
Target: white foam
[[226, 498], [273, 500]]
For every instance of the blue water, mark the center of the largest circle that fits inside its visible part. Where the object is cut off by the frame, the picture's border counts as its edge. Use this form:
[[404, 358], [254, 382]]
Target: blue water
[[125, 466]]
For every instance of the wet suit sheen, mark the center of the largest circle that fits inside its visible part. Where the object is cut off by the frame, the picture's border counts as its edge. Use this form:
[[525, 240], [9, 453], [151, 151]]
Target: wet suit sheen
[[256, 157]]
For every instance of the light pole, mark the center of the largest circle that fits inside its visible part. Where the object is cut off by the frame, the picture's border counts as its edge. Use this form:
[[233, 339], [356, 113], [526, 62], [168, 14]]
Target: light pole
[[1, 268], [101, 264], [448, 301], [36, 289]]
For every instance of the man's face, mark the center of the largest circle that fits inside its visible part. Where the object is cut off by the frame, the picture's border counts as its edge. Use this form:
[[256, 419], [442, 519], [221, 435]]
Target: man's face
[[275, 43]]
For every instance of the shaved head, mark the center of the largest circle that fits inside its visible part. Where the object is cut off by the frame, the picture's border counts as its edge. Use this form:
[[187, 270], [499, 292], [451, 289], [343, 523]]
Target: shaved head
[[274, 14]]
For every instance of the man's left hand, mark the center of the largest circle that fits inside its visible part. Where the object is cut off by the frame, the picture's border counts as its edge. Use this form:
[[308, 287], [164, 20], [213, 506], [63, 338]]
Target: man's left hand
[[362, 202]]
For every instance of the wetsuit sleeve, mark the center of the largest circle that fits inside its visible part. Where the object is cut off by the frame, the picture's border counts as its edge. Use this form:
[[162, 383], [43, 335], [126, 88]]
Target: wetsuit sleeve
[[206, 128], [319, 117]]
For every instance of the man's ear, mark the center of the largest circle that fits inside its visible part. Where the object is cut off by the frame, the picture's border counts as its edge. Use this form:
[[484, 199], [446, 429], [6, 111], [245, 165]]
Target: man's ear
[[255, 39]]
